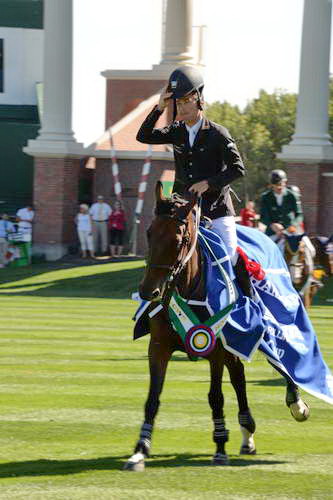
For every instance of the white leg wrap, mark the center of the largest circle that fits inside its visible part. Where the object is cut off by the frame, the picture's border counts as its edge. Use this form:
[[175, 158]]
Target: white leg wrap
[[136, 458], [248, 439], [135, 463], [300, 410]]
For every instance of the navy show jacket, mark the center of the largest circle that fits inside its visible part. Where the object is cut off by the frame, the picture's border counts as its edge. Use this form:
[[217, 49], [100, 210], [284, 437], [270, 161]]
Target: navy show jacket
[[213, 157]]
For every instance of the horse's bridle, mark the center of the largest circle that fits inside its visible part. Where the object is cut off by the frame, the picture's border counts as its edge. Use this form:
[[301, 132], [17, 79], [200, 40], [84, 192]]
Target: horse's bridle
[[176, 268]]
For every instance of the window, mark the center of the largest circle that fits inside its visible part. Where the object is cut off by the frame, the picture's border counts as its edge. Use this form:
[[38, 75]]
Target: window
[[1, 65]]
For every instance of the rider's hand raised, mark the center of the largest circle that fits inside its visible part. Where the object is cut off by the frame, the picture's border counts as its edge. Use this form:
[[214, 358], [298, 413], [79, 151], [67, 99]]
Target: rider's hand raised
[[164, 97]]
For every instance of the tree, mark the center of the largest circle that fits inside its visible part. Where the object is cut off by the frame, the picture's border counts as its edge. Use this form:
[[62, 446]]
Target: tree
[[260, 131]]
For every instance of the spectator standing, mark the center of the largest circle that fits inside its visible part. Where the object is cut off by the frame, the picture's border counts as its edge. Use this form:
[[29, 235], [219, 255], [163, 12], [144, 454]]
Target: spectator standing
[[24, 217], [84, 230], [248, 215], [100, 213], [117, 229], [6, 227]]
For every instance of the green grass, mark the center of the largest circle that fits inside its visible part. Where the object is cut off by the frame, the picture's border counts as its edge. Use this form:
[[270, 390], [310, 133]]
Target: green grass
[[73, 385]]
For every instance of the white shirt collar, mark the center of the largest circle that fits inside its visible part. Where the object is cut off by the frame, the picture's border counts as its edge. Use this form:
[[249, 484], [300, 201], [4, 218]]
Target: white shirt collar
[[279, 197], [195, 127]]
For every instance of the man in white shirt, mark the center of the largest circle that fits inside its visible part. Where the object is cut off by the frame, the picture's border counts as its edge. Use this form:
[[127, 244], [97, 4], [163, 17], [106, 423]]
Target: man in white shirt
[[100, 213], [25, 217]]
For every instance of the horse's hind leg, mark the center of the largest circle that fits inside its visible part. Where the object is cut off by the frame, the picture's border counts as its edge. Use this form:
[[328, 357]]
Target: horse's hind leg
[[216, 402], [245, 419], [299, 409], [158, 362]]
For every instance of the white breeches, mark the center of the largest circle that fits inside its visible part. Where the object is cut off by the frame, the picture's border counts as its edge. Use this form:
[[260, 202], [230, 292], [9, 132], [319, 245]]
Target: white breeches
[[225, 227], [86, 240]]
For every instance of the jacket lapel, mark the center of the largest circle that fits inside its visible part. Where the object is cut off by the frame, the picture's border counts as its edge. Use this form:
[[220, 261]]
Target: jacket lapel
[[200, 138]]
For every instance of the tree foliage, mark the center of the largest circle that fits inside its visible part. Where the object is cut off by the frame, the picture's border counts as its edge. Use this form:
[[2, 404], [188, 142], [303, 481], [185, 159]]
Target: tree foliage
[[260, 131]]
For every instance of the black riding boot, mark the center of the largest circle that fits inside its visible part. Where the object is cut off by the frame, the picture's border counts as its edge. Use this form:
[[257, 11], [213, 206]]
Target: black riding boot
[[243, 277]]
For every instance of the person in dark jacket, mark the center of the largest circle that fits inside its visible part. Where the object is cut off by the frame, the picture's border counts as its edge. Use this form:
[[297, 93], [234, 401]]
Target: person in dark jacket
[[206, 156], [281, 208]]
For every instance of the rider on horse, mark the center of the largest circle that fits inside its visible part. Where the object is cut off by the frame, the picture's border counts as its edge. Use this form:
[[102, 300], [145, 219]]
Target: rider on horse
[[281, 208], [206, 157]]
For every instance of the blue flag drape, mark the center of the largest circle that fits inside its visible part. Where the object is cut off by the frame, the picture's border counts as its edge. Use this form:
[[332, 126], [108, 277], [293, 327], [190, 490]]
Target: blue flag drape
[[274, 321]]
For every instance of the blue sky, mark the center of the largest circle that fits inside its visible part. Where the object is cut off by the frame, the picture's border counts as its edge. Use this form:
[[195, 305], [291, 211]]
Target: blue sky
[[250, 44]]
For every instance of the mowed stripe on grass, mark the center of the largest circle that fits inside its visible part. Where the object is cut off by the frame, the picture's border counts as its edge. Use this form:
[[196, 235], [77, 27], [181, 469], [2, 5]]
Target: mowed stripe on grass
[[73, 385]]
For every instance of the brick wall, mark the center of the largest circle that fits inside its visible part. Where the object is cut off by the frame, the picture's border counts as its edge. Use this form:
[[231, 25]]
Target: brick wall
[[56, 182], [317, 195], [122, 96]]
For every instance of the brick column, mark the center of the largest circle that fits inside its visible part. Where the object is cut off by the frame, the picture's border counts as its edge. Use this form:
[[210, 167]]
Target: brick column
[[315, 181], [56, 203], [309, 156], [55, 150]]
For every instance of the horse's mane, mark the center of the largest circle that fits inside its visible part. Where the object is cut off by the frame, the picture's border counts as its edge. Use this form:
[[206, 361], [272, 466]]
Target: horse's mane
[[169, 206]]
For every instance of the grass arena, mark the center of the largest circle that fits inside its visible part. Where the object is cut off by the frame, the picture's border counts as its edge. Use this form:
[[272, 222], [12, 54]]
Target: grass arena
[[73, 385]]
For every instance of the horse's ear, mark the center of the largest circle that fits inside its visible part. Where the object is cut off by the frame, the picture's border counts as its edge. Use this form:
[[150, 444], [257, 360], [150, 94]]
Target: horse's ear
[[159, 191]]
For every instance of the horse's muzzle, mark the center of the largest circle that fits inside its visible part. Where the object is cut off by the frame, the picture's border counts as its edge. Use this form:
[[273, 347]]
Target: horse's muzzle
[[149, 294]]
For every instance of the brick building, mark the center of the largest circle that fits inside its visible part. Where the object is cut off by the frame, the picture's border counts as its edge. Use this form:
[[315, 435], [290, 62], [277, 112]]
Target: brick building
[[59, 159], [130, 96]]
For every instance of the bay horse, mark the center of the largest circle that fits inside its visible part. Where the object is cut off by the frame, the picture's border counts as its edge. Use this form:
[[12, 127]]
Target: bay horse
[[175, 262], [324, 253], [299, 254]]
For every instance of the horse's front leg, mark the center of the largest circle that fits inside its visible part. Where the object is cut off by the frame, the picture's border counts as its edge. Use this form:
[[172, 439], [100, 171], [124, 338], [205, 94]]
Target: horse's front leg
[[159, 356], [216, 402], [245, 419]]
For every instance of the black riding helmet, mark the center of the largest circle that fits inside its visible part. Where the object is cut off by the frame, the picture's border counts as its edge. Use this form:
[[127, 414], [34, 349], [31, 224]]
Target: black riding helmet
[[183, 81], [277, 176]]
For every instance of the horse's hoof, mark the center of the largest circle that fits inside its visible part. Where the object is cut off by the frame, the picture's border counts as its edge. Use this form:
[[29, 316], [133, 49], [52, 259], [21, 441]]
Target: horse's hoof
[[136, 463], [300, 415], [220, 459], [247, 450]]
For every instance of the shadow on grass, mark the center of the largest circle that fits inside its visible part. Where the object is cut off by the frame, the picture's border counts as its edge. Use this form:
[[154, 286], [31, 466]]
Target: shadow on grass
[[64, 467], [115, 285], [273, 382]]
